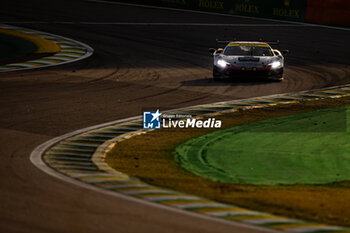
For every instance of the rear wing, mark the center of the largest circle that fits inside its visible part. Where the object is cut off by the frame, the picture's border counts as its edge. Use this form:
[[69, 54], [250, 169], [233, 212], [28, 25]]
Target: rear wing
[[222, 43], [225, 42]]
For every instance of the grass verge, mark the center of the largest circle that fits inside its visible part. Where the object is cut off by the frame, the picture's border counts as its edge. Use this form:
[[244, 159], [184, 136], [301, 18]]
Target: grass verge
[[306, 148], [18, 46], [150, 157]]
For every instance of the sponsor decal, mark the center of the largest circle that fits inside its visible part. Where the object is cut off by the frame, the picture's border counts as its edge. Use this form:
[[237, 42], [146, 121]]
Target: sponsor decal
[[291, 13], [211, 4], [290, 9], [157, 120], [286, 12], [247, 7]]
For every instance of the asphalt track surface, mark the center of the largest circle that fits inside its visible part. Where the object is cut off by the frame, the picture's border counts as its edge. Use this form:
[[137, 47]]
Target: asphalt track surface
[[133, 67]]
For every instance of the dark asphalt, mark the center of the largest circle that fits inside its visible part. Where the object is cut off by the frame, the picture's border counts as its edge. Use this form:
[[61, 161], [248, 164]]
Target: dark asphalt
[[133, 67]]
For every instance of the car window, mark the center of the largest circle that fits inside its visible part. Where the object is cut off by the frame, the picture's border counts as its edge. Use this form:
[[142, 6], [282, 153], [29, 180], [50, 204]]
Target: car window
[[247, 51]]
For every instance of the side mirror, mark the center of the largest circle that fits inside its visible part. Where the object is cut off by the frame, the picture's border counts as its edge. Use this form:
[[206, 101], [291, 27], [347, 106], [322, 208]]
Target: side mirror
[[212, 51], [285, 52]]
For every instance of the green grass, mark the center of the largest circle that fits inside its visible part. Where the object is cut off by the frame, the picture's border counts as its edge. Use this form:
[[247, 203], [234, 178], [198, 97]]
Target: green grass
[[150, 157], [307, 148], [17, 46], [13, 47]]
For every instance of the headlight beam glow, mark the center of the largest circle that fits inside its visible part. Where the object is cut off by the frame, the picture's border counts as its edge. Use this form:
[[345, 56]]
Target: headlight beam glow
[[221, 63], [276, 64]]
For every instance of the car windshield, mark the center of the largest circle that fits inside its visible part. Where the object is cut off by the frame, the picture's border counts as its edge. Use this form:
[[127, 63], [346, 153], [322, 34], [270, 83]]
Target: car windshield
[[247, 50]]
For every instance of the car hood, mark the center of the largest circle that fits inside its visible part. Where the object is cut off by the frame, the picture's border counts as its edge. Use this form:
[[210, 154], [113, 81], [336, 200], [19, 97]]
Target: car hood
[[249, 61]]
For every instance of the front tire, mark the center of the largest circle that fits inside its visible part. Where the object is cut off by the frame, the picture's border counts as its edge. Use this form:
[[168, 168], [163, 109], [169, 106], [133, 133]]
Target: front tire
[[277, 76], [216, 75]]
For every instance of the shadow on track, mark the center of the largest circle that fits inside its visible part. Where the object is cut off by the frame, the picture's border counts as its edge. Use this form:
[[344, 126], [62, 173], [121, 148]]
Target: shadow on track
[[227, 82]]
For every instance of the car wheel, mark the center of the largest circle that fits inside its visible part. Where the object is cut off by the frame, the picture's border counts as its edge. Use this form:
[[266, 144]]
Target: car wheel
[[276, 79], [216, 75]]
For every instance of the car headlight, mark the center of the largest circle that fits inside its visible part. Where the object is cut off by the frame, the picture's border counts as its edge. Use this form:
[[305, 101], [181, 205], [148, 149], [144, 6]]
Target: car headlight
[[276, 64], [222, 63]]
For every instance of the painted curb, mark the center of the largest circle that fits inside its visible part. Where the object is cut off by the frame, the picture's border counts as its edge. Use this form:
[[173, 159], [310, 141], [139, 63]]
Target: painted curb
[[79, 158], [71, 51]]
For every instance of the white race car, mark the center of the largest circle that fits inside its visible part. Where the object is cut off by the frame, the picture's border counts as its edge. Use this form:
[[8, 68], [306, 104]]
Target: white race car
[[247, 59]]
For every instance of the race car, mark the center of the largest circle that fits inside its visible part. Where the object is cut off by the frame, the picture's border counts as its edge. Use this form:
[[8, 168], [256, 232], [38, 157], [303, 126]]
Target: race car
[[248, 59]]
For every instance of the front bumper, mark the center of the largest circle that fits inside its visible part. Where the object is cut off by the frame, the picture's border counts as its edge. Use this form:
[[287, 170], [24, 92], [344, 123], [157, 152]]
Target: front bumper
[[238, 73]]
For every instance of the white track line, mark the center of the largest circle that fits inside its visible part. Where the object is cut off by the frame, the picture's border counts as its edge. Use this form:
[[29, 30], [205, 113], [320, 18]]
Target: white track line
[[36, 155], [36, 159]]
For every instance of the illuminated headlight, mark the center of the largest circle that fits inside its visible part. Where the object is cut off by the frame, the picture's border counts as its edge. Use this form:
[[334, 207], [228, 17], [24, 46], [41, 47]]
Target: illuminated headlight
[[276, 64], [222, 63]]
